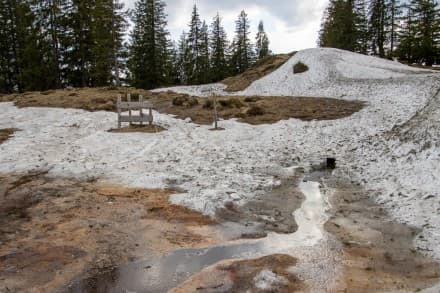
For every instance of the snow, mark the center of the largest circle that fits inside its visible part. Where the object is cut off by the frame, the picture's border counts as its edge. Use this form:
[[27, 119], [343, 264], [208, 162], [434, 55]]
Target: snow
[[267, 280], [391, 146]]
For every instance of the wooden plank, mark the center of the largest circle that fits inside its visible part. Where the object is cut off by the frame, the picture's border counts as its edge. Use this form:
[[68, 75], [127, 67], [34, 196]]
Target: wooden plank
[[119, 111], [134, 105], [141, 100]]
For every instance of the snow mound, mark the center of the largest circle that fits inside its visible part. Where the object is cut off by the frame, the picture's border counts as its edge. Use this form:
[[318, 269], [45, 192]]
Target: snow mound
[[326, 66]]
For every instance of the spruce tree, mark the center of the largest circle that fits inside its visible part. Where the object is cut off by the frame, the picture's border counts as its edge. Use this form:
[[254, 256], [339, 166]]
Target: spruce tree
[[182, 59], [149, 45], [379, 25], [361, 24], [262, 42], [426, 15], [204, 63], [193, 55], [339, 26], [218, 47], [242, 52]]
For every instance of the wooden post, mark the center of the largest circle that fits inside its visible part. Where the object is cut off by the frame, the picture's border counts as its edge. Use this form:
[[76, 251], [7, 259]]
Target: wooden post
[[129, 111], [150, 118], [119, 110], [215, 111], [141, 99]]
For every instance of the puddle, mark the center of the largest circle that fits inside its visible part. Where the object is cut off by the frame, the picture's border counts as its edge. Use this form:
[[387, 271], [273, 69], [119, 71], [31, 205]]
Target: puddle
[[162, 274], [310, 218]]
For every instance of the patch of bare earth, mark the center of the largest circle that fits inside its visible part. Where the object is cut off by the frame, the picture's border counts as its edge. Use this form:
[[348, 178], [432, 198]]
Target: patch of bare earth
[[378, 253], [266, 274], [139, 128], [6, 134], [262, 68], [252, 110], [53, 230]]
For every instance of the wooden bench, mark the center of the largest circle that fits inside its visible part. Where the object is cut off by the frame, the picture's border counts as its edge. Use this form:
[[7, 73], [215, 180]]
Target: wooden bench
[[130, 106]]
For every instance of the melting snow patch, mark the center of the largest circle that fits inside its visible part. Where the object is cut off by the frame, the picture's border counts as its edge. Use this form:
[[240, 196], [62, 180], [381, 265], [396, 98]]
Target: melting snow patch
[[267, 280]]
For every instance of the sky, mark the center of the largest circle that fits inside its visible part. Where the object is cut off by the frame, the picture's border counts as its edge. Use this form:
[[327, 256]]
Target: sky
[[290, 24]]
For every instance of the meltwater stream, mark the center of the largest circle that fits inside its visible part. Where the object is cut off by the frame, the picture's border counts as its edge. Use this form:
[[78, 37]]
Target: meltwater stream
[[162, 274]]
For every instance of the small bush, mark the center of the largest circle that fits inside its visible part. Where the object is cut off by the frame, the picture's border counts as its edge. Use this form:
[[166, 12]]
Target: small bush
[[135, 96], [112, 88], [300, 68], [209, 104], [255, 111], [49, 92], [252, 99], [185, 101], [231, 103]]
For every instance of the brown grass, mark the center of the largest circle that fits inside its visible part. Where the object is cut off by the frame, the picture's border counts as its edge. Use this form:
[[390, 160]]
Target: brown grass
[[262, 68], [300, 68], [53, 230], [270, 109], [90, 99], [6, 134], [139, 128]]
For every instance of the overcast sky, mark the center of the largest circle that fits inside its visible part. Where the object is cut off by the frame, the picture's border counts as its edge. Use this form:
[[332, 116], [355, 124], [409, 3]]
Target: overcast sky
[[290, 24]]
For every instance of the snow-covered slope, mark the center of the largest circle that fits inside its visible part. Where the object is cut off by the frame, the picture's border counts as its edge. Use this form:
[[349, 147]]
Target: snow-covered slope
[[384, 146]]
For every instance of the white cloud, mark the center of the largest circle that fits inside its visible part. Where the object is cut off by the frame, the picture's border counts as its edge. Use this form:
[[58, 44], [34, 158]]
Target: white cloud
[[290, 24]]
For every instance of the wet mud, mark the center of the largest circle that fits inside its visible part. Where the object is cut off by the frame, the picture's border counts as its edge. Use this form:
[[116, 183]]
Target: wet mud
[[268, 212], [53, 230], [378, 252], [265, 274]]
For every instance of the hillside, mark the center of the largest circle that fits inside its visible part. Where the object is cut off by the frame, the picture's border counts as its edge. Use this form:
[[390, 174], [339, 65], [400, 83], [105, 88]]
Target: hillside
[[253, 206]]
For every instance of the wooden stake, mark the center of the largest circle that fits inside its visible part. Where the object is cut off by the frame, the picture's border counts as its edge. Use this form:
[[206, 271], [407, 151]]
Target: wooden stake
[[215, 111]]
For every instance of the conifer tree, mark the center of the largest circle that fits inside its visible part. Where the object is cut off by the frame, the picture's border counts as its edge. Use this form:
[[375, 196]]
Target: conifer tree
[[338, 29], [426, 15], [107, 32], [193, 55], [182, 59], [149, 45], [204, 63], [361, 26], [262, 42], [218, 46], [379, 24], [242, 52]]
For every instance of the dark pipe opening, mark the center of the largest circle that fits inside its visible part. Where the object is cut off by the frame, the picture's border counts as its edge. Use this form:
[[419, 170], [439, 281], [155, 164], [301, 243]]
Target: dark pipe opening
[[331, 163]]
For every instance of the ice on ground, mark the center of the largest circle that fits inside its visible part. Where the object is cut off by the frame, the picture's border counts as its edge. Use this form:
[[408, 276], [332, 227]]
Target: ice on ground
[[391, 146]]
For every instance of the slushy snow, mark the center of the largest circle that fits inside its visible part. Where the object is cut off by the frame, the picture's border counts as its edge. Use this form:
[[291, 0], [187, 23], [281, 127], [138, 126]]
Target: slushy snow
[[391, 146]]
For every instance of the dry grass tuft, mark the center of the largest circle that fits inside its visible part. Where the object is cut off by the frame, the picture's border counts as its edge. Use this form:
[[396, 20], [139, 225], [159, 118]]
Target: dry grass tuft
[[6, 134], [300, 68], [262, 68]]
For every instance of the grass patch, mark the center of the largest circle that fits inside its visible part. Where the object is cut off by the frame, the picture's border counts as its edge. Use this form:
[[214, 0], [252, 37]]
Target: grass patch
[[253, 110], [262, 68], [139, 128], [185, 101], [300, 68], [6, 134]]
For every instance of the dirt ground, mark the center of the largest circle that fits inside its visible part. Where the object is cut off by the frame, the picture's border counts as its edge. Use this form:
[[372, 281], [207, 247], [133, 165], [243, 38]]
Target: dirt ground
[[5, 134], [378, 253], [245, 276], [53, 230], [266, 212], [262, 68], [139, 128], [252, 110]]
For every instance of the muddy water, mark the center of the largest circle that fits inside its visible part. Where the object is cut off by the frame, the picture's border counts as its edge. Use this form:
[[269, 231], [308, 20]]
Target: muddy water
[[162, 274]]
